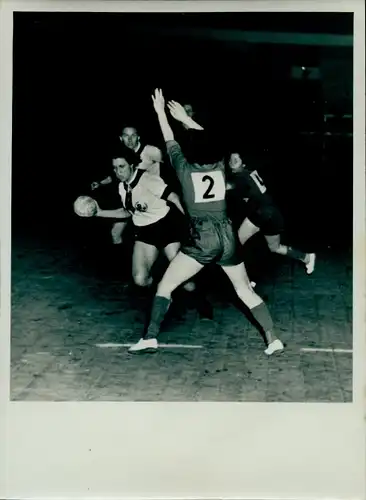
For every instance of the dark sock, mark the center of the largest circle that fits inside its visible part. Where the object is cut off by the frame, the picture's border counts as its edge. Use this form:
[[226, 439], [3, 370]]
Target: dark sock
[[263, 317], [159, 309], [296, 254]]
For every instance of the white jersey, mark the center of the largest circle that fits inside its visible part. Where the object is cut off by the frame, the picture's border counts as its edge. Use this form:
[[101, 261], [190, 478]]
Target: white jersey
[[145, 197]]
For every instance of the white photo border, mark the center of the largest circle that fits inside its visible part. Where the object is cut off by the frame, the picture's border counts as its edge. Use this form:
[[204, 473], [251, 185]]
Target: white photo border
[[183, 450]]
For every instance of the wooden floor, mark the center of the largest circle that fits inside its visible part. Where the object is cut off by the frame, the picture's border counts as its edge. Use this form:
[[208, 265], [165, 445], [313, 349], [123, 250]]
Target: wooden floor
[[71, 328]]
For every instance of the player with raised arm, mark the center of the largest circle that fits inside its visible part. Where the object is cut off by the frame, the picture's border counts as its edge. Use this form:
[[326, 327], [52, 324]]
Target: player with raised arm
[[261, 212], [213, 239]]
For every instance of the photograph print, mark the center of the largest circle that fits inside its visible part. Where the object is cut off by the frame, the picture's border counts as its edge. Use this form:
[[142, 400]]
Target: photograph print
[[182, 207]]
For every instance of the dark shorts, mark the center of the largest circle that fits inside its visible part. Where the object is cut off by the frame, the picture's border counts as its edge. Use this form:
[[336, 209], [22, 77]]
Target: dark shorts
[[213, 241], [160, 234], [268, 219]]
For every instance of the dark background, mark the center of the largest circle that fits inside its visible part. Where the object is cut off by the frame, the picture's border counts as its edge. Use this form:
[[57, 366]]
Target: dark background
[[78, 78]]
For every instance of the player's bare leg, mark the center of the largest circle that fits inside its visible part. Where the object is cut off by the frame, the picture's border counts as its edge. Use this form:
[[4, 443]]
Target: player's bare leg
[[116, 232], [246, 231], [240, 281], [181, 269], [201, 303], [143, 258], [171, 252], [275, 246]]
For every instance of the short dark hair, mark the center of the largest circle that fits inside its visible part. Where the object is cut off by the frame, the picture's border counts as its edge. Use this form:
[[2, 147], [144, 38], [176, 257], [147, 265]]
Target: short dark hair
[[128, 126], [120, 151], [201, 147]]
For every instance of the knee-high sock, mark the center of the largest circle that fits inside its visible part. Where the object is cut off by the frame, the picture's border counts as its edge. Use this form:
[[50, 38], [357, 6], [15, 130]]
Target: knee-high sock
[[263, 316], [296, 254], [159, 309]]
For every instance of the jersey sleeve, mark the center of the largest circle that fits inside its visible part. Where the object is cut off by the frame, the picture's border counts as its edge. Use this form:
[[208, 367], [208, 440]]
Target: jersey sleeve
[[176, 156], [156, 185]]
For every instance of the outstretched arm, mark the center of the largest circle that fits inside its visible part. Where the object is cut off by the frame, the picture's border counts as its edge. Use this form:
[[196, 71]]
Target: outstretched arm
[[159, 106], [119, 213], [179, 113]]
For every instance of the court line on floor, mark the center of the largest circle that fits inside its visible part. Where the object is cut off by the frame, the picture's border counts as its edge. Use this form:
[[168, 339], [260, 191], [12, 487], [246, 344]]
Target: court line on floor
[[190, 346], [173, 346], [326, 349]]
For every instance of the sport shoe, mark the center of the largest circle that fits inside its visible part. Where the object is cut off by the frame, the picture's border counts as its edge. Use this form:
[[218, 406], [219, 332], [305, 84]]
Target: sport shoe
[[274, 346], [311, 264], [146, 345]]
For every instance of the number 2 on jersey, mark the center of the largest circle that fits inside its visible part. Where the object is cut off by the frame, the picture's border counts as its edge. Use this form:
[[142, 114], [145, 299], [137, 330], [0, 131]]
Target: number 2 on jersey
[[258, 180], [208, 186], [208, 194]]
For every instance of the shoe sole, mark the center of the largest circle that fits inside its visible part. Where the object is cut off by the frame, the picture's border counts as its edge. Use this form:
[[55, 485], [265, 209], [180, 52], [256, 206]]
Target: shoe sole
[[148, 350], [274, 353]]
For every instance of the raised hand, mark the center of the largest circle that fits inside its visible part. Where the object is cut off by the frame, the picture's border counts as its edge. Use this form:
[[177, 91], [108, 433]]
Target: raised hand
[[177, 111], [158, 100]]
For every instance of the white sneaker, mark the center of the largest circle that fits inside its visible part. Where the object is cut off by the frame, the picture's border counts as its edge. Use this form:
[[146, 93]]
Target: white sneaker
[[274, 346], [147, 345], [311, 264]]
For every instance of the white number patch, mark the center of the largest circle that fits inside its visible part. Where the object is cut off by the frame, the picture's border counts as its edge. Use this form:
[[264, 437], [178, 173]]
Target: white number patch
[[258, 180], [208, 186]]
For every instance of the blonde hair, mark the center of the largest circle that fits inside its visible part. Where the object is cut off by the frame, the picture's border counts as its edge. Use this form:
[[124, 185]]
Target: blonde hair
[[154, 154]]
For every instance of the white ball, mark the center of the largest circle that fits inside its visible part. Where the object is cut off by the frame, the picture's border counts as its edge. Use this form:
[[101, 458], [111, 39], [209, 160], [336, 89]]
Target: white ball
[[84, 206]]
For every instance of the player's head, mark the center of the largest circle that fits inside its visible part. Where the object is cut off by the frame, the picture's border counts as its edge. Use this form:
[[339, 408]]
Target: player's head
[[201, 147], [130, 137], [189, 109], [123, 166], [235, 162], [151, 155]]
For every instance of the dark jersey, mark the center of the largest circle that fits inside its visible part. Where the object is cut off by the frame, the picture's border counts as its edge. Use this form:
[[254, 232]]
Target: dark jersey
[[134, 156], [203, 186], [250, 186]]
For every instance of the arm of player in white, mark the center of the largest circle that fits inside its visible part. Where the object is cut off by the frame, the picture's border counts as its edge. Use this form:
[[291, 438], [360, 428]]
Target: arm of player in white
[[118, 213], [174, 198]]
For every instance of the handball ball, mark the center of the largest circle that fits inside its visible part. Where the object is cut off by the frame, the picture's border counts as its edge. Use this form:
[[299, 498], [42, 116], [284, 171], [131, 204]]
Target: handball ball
[[84, 206]]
